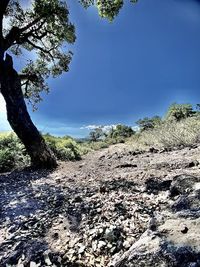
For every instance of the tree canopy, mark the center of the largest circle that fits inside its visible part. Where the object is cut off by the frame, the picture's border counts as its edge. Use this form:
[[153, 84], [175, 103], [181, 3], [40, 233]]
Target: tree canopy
[[178, 112], [149, 123], [44, 29], [107, 8]]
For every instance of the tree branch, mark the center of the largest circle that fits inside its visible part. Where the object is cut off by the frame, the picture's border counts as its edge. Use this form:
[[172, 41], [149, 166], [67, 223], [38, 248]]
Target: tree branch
[[42, 49], [15, 34], [31, 24], [3, 7]]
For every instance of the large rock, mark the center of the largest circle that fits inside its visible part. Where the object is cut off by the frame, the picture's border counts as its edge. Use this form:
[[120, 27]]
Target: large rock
[[156, 250], [184, 184]]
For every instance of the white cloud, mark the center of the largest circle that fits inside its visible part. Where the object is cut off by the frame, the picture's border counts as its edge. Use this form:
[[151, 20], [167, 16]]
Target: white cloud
[[105, 128], [90, 127]]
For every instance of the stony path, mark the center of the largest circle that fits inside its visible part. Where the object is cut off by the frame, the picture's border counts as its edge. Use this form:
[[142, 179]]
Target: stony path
[[92, 212]]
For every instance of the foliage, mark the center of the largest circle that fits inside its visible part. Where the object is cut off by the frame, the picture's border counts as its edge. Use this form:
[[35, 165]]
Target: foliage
[[64, 148], [43, 28], [12, 153], [178, 112], [97, 145], [149, 123], [120, 130], [107, 8], [96, 134]]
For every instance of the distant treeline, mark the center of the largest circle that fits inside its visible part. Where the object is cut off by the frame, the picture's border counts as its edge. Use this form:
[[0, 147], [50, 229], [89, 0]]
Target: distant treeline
[[175, 113]]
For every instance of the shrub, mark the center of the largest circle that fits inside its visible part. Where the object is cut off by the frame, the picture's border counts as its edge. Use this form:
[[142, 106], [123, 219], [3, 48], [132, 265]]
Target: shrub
[[64, 148], [179, 112], [7, 160], [173, 134], [12, 153], [149, 123]]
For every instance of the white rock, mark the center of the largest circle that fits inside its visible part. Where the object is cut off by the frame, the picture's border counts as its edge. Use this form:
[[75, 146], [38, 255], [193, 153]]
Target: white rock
[[126, 244], [81, 249], [101, 244], [33, 264], [47, 260]]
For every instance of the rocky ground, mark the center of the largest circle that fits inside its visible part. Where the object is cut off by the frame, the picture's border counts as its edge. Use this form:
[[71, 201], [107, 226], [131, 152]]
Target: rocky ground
[[116, 207]]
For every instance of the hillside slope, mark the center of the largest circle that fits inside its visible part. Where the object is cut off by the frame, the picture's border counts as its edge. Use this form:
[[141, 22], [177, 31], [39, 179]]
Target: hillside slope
[[116, 207]]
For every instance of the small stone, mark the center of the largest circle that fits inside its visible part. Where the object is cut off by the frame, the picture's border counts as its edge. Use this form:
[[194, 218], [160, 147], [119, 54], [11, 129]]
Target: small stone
[[109, 245], [152, 224], [109, 235], [101, 244], [101, 231], [32, 264], [94, 245], [22, 265], [47, 260], [99, 210], [81, 249], [126, 244]]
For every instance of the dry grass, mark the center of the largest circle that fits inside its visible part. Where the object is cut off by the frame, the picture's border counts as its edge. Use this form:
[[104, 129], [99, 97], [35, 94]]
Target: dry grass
[[173, 134]]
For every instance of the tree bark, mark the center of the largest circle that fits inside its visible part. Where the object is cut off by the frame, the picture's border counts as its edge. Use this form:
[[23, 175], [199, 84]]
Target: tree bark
[[19, 118]]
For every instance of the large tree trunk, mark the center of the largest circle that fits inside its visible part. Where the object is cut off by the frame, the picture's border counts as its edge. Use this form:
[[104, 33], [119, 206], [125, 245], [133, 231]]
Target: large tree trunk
[[19, 119]]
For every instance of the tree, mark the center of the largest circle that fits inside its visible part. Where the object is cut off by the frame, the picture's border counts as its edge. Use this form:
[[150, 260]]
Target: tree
[[121, 131], [45, 30], [178, 112], [96, 134], [149, 123]]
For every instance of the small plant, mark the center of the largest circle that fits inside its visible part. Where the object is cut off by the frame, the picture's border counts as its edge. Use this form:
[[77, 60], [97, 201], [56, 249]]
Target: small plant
[[12, 153]]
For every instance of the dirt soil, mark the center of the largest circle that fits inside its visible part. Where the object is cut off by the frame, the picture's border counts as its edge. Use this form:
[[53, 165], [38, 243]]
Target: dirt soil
[[85, 213]]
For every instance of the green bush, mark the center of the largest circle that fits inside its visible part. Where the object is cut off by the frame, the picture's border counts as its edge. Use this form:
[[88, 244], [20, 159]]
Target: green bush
[[12, 153], [64, 148], [178, 112], [120, 132], [149, 123], [7, 160]]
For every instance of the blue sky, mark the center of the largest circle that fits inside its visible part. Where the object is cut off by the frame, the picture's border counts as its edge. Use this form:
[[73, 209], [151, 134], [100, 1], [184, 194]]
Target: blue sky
[[148, 58]]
